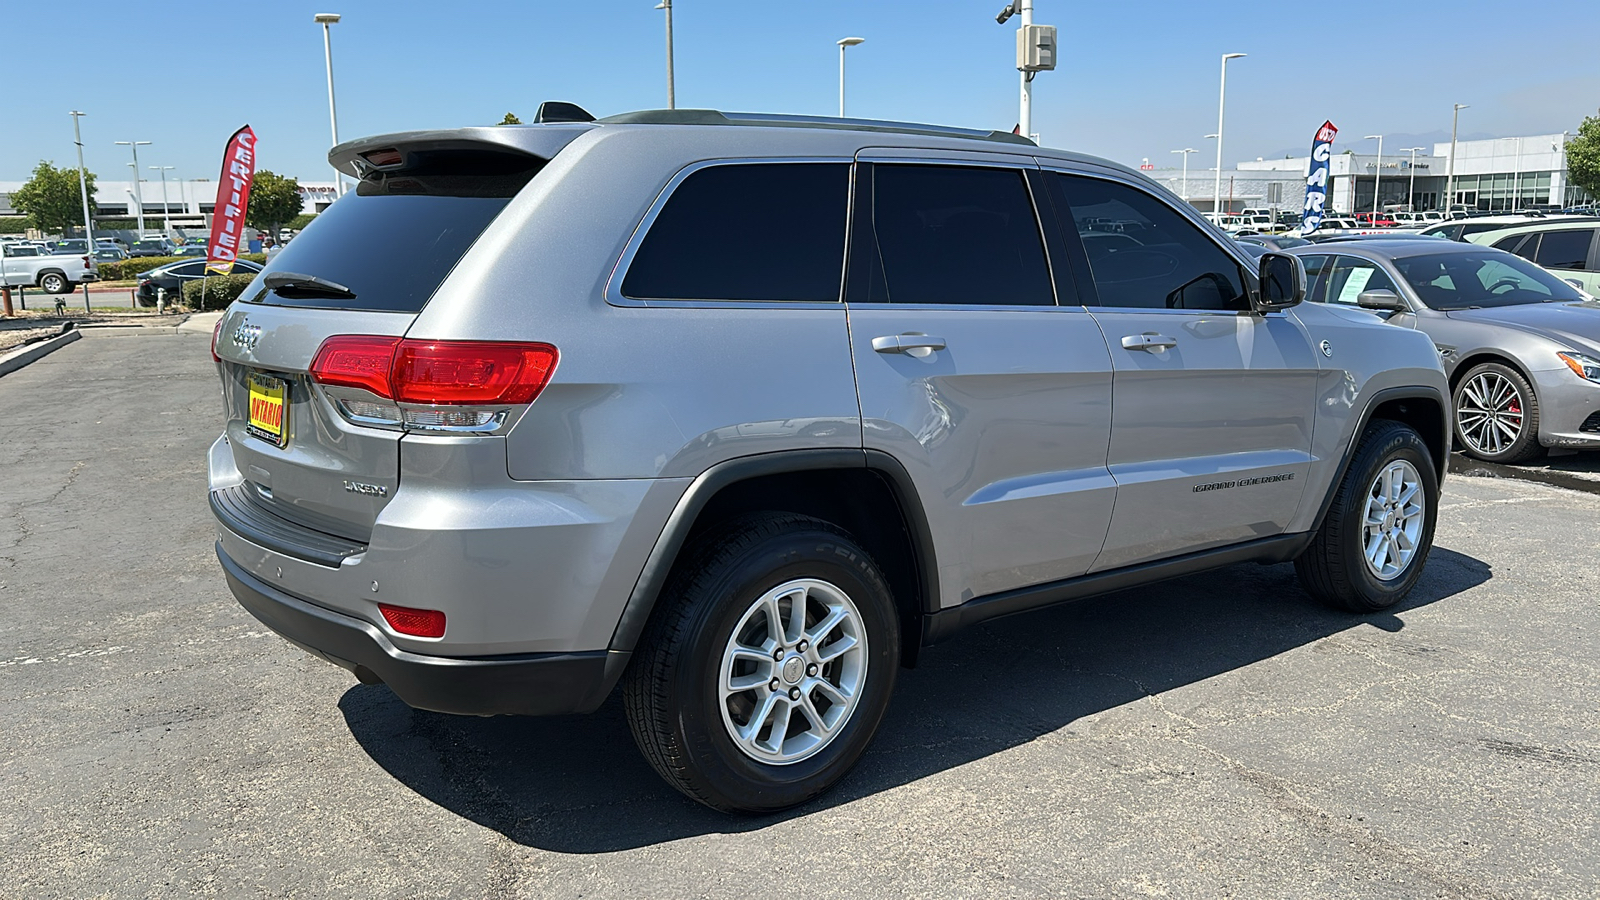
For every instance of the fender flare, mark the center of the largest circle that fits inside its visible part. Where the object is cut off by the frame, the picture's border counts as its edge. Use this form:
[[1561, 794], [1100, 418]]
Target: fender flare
[[1406, 392], [658, 565]]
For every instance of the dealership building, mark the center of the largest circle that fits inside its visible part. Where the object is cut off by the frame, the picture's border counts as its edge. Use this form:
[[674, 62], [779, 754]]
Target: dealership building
[[185, 204], [1490, 175]]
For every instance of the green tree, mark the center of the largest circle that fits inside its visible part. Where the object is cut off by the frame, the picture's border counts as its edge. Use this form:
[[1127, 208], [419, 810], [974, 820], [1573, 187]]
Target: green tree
[[1583, 156], [274, 200], [510, 119], [51, 199]]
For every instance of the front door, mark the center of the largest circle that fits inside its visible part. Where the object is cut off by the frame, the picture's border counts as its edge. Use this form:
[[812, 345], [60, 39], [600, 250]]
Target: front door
[[1211, 424], [996, 400]]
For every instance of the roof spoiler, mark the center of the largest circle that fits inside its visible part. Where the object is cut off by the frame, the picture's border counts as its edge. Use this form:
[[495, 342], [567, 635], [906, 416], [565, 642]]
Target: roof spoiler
[[390, 152]]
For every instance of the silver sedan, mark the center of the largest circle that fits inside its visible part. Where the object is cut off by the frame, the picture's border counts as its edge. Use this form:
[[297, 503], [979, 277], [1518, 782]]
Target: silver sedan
[[1521, 346]]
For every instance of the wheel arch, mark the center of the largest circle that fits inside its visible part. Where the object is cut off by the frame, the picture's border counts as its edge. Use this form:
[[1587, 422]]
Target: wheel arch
[[1420, 407], [1478, 358], [38, 278], [865, 492]]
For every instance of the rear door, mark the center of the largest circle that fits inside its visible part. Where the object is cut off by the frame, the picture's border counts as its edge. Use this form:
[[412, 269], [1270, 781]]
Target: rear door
[[996, 399], [392, 241], [1211, 428], [1570, 253]]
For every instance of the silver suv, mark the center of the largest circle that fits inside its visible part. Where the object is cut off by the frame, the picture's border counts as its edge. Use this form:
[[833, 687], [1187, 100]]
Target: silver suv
[[739, 412]]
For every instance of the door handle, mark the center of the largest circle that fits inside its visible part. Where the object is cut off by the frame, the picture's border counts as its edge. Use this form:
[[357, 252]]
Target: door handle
[[908, 343], [1149, 341]]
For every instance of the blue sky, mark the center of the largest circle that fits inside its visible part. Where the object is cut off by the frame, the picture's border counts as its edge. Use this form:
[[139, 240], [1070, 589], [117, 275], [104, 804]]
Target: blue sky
[[1136, 79]]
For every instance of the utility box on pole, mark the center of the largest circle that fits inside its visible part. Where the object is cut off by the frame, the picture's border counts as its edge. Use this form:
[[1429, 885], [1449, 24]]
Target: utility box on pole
[[1036, 48]]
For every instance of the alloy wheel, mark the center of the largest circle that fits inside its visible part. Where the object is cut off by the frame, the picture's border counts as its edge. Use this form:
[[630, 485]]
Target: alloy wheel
[[1392, 524], [793, 671], [1489, 411]]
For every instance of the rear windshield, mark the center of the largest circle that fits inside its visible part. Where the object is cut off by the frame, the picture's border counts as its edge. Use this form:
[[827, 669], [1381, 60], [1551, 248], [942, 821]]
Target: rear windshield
[[394, 239]]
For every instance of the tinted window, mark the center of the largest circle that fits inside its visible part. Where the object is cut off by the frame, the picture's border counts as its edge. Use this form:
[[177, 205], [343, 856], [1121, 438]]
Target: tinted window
[[1565, 249], [1171, 263], [1515, 244], [394, 238], [747, 232], [1316, 284], [946, 234], [1481, 278], [1351, 276], [189, 270]]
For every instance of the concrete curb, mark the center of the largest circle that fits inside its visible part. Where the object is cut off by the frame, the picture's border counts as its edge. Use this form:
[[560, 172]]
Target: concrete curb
[[16, 359]]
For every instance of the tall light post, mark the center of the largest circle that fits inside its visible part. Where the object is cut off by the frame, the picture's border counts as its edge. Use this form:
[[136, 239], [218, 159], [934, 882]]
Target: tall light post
[[326, 20], [166, 211], [138, 195], [672, 100], [1377, 173], [1185, 151], [843, 43], [1450, 182], [83, 182], [1411, 192], [1222, 102]]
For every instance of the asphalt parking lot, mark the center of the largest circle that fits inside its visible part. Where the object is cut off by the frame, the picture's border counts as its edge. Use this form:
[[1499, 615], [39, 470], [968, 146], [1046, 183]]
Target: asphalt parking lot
[[1218, 736]]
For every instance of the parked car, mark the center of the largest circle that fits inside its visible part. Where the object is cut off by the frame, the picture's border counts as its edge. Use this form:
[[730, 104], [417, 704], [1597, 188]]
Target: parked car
[[1565, 248], [1521, 346], [562, 449], [172, 276], [110, 254], [1376, 220], [1463, 228], [73, 246], [1272, 241], [152, 247], [25, 265], [1380, 234], [189, 250]]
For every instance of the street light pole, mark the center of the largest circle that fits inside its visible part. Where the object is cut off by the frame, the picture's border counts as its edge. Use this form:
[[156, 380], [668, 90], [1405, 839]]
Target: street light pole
[[138, 195], [1377, 175], [83, 183], [166, 211], [1450, 182], [1411, 192], [1222, 102], [1185, 151], [672, 100], [843, 43], [326, 20]]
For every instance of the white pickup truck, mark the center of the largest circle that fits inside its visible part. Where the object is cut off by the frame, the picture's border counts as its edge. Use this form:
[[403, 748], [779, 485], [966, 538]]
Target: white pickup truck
[[24, 265]]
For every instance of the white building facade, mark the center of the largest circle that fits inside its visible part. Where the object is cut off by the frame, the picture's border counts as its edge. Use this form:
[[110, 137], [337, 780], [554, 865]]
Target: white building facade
[[184, 203]]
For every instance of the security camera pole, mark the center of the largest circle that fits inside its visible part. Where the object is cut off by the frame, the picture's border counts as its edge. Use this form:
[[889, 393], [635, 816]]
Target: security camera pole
[[1036, 52]]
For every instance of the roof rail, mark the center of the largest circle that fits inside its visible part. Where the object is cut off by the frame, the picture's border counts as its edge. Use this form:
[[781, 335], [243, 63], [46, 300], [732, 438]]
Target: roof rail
[[771, 120]]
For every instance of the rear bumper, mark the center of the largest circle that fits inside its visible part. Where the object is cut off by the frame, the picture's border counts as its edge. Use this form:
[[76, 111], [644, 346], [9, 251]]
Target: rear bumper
[[523, 684]]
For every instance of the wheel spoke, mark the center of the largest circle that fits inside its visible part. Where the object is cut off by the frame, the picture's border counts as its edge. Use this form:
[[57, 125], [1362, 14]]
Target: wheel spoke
[[796, 626], [836, 649], [1374, 547], [780, 724], [834, 693], [1408, 496], [740, 683], [816, 633], [809, 710], [1404, 543], [759, 718]]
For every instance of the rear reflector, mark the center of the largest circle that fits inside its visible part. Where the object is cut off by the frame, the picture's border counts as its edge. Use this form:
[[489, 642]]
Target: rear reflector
[[428, 623], [436, 373], [216, 330]]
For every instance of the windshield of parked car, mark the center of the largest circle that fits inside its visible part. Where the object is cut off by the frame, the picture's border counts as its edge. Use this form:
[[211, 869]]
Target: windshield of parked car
[[1480, 279]]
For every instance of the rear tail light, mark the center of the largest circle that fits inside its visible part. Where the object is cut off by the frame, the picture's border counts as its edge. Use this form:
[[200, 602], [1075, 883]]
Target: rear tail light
[[216, 331], [432, 385], [428, 623]]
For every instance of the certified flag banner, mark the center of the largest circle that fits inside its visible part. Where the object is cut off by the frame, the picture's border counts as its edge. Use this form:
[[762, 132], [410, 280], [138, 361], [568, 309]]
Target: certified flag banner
[[1317, 178], [233, 198]]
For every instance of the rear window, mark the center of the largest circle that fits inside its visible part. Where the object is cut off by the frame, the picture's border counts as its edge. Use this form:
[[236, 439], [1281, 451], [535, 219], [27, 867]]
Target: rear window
[[394, 239], [1565, 249], [747, 231]]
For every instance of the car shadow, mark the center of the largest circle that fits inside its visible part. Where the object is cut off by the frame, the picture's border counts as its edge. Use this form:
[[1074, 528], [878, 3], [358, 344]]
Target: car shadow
[[576, 784]]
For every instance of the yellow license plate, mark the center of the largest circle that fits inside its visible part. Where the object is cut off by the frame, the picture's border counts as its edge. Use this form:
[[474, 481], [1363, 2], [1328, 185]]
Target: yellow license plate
[[269, 408]]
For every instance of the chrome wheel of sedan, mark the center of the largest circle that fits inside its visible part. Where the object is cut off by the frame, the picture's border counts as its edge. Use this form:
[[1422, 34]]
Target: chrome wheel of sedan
[[1489, 409], [793, 671], [1394, 519]]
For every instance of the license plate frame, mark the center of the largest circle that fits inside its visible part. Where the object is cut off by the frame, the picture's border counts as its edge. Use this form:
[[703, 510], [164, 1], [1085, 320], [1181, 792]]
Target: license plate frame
[[273, 392]]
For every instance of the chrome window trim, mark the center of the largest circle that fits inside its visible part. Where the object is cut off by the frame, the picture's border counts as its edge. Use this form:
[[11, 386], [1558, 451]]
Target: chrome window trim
[[619, 272]]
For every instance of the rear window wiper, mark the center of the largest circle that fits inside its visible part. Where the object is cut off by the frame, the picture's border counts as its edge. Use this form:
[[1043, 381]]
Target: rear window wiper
[[297, 286]]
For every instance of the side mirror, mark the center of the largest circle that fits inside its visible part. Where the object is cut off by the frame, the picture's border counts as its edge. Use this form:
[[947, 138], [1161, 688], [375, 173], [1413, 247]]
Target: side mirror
[[1574, 282], [1382, 300], [1282, 283]]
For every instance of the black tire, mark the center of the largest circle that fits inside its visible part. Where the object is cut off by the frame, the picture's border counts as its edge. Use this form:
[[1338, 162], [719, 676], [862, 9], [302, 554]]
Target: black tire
[[671, 690], [55, 283], [1334, 567], [1471, 435]]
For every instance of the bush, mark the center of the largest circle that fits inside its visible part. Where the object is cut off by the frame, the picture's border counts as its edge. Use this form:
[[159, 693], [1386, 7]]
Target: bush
[[124, 270], [298, 223], [220, 290], [13, 224]]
